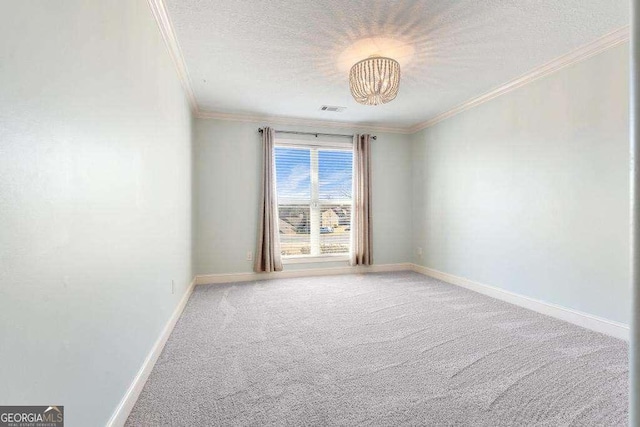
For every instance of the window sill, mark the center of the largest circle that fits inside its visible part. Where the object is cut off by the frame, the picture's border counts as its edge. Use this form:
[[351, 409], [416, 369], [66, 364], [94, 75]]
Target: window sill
[[315, 259]]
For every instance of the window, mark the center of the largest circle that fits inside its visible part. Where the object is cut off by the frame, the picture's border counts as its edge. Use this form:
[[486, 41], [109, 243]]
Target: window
[[313, 184]]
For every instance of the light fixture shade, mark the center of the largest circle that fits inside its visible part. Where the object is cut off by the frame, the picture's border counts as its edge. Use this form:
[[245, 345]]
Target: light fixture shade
[[375, 80]]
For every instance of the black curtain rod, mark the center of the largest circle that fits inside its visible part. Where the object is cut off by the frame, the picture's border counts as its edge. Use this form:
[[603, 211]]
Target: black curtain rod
[[314, 133]]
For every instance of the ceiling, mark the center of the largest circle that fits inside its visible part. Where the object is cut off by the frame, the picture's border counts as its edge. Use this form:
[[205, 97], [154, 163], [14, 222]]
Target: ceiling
[[289, 57]]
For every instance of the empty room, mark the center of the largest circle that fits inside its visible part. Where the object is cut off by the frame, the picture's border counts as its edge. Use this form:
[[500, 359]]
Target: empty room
[[385, 213]]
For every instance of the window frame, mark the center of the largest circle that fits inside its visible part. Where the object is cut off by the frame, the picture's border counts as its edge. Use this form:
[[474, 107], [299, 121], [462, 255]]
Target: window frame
[[321, 145]]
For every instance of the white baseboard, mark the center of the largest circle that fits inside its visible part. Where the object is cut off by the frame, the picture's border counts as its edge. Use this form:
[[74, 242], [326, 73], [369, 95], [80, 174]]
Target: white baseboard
[[125, 406], [585, 320], [209, 279]]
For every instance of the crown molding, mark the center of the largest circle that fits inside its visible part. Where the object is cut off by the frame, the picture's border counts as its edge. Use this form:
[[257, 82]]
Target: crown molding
[[605, 42], [169, 36], [292, 121], [161, 16]]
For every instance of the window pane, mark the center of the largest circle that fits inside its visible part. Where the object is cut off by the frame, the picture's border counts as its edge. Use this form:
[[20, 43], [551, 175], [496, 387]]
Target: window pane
[[295, 237], [293, 174], [293, 186], [335, 174], [335, 221], [314, 200]]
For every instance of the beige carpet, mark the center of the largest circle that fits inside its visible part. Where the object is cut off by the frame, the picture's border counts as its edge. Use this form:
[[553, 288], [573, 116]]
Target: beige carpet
[[379, 349]]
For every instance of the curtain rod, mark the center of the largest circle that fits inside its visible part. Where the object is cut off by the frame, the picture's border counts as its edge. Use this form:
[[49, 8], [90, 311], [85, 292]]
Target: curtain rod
[[315, 133]]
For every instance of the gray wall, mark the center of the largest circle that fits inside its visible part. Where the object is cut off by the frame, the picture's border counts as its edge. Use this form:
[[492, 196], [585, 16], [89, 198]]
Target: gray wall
[[529, 192], [95, 201], [227, 180]]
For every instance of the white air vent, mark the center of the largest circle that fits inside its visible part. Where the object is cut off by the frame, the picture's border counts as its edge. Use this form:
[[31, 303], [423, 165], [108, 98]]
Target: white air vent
[[332, 108]]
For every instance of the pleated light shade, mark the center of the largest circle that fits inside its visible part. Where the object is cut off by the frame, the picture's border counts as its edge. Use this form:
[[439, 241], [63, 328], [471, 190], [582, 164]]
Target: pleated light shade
[[375, 80]]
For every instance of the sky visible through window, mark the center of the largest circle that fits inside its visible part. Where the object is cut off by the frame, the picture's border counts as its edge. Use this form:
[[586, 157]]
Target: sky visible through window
[[293, 174]]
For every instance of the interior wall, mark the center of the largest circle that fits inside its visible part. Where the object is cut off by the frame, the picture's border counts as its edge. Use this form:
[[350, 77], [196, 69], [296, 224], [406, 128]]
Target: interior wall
[[529, 192], [227, 180], [95, 201]]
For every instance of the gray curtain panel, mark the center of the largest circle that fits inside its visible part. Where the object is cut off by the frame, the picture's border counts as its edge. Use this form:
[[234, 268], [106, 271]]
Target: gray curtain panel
[[361, 243], [268, 256]]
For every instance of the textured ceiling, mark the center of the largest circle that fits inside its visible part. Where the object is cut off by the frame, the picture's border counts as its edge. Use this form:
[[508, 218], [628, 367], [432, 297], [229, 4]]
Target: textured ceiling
[[288, 57]]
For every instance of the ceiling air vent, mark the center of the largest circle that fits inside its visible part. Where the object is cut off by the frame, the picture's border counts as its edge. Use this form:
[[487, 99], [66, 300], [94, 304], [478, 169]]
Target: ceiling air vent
[[332, 108]]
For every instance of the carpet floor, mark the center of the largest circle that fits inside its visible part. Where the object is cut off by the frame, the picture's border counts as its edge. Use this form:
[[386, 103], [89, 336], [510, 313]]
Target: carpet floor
[[378, 349]]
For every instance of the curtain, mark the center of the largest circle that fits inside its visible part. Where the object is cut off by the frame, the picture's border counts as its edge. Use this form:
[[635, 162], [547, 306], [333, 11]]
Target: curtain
[[361, 246], [268, 254]]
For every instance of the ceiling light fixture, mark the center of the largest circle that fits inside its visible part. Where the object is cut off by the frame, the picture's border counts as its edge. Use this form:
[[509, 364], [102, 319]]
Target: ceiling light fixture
[[375, 80]]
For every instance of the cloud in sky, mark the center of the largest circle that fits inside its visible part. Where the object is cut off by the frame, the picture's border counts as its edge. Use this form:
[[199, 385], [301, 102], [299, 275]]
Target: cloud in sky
[[295, 184], [336, 184]]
